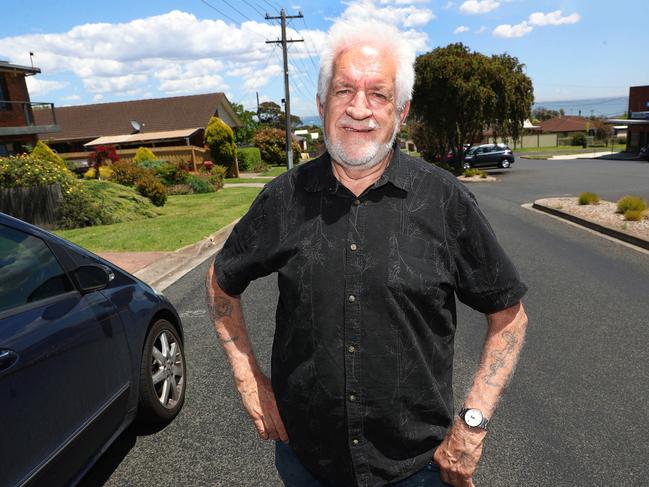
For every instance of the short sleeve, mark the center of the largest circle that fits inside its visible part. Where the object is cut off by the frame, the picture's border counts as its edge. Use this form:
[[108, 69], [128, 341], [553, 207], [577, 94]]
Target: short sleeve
[[486, 278], [246, 254]]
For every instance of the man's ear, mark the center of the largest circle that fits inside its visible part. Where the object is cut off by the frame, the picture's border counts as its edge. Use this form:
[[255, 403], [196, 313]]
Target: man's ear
[[404, 113], [321, 108]]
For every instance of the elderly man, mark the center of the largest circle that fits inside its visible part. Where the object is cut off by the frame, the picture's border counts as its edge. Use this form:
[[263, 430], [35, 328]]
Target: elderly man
[[371, 247]]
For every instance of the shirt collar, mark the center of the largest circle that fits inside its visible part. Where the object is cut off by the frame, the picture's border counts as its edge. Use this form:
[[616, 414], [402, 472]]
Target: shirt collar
[[319, 175]]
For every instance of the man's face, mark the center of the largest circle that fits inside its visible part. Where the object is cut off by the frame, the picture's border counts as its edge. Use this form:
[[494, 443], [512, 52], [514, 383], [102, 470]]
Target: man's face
[[360, 114]]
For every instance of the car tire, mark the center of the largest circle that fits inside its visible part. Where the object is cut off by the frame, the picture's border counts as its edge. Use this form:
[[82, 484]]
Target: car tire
[[163, 374], [505, 163]]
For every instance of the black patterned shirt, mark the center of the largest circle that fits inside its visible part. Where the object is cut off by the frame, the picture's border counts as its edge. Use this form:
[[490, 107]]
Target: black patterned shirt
[[363, 349]]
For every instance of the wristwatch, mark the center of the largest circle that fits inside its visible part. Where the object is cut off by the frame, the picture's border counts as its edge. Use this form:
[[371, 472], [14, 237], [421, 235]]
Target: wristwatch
[[473, 418]]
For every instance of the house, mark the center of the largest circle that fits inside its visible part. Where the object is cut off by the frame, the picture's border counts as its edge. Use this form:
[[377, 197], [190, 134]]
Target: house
[[638, 121], [21, 120], [157, 122], [567, 126]]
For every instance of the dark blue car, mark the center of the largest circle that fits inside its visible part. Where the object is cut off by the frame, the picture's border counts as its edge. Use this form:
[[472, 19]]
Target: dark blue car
[[84, 349]]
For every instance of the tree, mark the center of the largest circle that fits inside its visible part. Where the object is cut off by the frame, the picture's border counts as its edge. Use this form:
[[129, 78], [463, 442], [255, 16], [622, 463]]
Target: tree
[[220, 139], [459, 93], [271, 144], [542, 113], [101, 154], [245, 133], [42, 151], [272, 115]]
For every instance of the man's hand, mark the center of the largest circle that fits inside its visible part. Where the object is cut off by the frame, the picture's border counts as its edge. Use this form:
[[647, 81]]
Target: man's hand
[[459, 453], [259, 400]]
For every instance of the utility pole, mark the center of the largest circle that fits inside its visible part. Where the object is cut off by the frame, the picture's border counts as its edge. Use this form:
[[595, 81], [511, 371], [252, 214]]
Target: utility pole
[[287, 99]]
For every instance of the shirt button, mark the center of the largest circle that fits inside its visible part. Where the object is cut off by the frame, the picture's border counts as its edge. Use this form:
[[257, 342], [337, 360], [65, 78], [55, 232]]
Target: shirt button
[[352, 298], [353, 246], [357, 202], [352, 397], [351, 349], [355, 441]]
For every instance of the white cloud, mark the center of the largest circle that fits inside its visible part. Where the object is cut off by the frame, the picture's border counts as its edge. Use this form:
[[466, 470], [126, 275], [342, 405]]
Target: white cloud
[[407, 17], [481, 30], [72, 98], [39, 87], [460, 29], [195, 84], [475, 7], [261, 78], [98, 98], [509, 31], [448, 5], [536, 19], [129, 83], [553, 18]]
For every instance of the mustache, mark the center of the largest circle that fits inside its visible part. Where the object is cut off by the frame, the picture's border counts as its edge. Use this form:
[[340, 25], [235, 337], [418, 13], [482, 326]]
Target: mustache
[[349, 122]]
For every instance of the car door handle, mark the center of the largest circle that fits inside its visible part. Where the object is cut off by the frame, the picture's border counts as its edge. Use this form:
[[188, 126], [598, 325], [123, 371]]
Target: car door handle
[[7, 359]]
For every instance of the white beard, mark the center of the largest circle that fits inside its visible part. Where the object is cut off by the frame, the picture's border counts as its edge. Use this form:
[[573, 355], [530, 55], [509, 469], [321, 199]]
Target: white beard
[[372, 154]]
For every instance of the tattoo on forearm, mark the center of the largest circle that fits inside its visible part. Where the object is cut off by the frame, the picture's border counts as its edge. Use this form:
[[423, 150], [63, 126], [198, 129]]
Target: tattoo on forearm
[[220, 307], [499, 358], [230, 340]]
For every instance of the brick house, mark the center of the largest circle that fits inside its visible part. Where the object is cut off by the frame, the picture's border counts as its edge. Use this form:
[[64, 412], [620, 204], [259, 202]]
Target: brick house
[[638, 121], [158, 122], [19, 127], [567, 126]]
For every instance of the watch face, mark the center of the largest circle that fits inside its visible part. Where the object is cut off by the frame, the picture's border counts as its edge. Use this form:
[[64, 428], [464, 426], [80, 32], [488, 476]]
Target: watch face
[[473, 417]]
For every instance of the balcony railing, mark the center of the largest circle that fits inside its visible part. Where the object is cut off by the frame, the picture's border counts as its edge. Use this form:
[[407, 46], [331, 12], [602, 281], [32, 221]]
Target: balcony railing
[[43, 122]]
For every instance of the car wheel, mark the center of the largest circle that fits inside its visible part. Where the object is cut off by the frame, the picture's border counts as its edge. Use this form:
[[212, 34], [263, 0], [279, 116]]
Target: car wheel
[[466, 165], [505, 163], [163, 376]]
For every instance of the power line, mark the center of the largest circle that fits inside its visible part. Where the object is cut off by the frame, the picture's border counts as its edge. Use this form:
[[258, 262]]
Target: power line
[[306, 46], [224, 15], [254, 8], [236, 10]]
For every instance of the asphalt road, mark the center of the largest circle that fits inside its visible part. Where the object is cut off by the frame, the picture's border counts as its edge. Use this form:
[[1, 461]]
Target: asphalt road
[[576, 412]]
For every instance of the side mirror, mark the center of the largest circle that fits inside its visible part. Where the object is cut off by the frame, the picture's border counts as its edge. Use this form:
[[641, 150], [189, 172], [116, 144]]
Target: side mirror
[[92, 277]]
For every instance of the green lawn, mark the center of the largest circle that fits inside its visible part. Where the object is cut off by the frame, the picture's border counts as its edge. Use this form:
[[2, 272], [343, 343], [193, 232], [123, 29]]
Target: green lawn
[[247, 180], [184, 220], [570, 148], [274, 171]]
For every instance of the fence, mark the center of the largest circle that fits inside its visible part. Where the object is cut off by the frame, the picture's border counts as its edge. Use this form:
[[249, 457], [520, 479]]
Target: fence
[[187, 153], [527, 141], [34, 204]]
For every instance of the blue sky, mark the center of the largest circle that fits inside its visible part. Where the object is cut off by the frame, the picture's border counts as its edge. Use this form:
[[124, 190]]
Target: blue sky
[[93, 52]]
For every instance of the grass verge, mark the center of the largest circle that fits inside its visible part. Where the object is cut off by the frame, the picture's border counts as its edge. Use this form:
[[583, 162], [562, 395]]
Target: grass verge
[[184, 220], [247, 180], [274, 171]]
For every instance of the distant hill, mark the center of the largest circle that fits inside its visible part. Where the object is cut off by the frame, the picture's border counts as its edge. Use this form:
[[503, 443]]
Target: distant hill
[[311, 121], [603, 107]]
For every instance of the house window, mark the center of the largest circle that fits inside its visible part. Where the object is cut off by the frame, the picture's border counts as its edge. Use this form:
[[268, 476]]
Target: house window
[[4, 94]]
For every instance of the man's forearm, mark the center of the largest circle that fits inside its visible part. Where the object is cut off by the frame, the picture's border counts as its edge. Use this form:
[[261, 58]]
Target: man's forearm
[[227, 314], [502, 346]]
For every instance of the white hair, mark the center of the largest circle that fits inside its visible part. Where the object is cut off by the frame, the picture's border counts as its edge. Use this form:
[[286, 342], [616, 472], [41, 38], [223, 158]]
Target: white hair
[[345, 34]]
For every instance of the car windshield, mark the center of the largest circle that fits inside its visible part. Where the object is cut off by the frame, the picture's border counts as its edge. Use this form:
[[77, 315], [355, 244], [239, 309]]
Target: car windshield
[[471, 150]]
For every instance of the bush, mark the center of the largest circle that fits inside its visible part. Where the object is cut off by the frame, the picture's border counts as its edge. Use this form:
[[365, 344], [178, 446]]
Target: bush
[[579, 139], [152, 188], [220, 139], [588, 198], [42, 151], [200, 184], [630, 202], [249, 159], [633, 215], [143, 154], [102, 203], [469, 173], [105, 172], [128, 174], [271, 143], [27, 170]]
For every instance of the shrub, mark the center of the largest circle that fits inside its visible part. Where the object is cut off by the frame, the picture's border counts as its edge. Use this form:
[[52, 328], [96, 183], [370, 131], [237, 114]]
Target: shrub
[[630, 202], [201, 183], [579, 139], [42, 151], [633, 215], [27, 170], [152, 188], [168, 173], [79, 209], [469, 173], [101, 154], [271, 143], [249, 159], [220, 139], [216, 176], [143, 154], [588, 198], [105, 172], [128, 173]]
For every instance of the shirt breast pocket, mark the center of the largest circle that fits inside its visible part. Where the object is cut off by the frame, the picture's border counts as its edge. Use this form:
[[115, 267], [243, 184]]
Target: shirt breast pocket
[[416, 266]]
